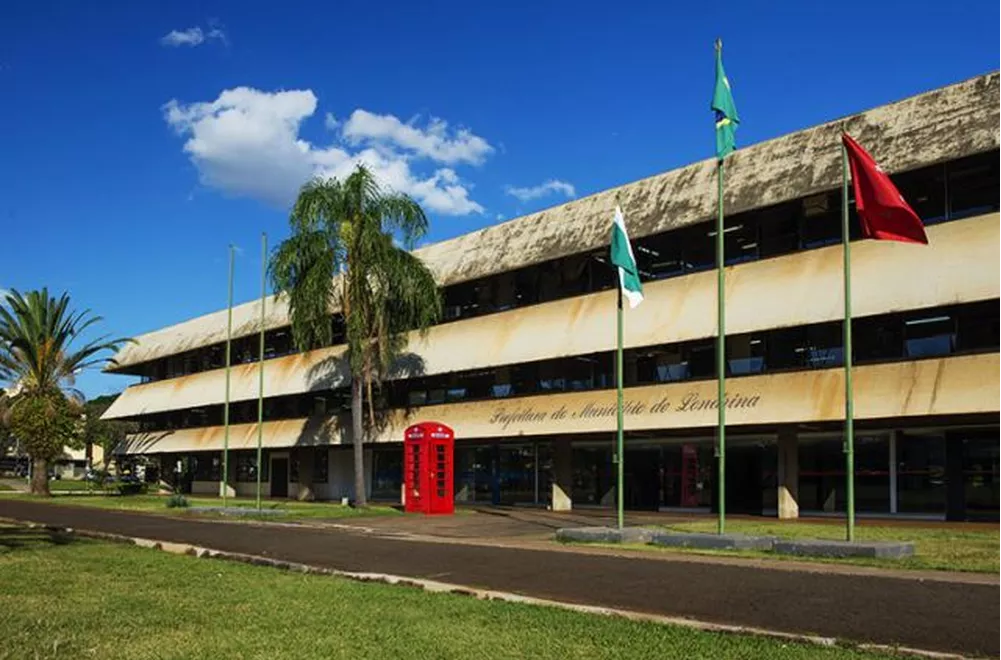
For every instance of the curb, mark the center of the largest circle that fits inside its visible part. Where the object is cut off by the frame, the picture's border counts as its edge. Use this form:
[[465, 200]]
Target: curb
[[434, 586]]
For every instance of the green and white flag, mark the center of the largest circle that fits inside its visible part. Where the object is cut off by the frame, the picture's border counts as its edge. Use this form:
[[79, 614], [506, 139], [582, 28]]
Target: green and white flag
[[622, 257], [724, 108]]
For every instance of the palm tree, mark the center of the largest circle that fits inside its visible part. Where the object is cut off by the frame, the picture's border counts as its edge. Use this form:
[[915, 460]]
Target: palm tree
[[350, 228], [39, 360]]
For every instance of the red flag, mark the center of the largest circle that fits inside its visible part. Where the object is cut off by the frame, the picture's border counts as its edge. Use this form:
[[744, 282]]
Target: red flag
[[882, 210]]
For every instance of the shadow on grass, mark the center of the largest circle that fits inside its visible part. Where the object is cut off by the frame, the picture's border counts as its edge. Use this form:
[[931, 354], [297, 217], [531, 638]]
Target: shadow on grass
[[25, 537]]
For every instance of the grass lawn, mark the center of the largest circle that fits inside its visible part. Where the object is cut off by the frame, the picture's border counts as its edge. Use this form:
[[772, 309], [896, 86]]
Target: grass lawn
[[158, 504], [89, 599], [935, 548], [71, 485]]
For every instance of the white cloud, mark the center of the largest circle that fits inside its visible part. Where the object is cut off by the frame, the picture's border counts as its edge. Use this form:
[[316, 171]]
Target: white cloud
[[551, 187], [432, 141], [330, 122], [247, 143], [192, 36]]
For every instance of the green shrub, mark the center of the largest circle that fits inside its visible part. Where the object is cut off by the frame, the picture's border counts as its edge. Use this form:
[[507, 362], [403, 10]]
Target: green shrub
[[177, 501], [131, 488]]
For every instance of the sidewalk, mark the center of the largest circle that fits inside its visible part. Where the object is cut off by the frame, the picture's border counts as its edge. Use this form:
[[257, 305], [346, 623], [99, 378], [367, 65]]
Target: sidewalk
[[534, 529]]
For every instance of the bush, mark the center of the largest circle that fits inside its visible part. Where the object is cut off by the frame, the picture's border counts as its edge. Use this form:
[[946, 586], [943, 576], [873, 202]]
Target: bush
[[131, 488], [177, 501]]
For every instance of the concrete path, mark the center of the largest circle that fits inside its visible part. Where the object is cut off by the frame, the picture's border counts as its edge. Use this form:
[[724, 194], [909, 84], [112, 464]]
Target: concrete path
[[933, 615], [19, 485]]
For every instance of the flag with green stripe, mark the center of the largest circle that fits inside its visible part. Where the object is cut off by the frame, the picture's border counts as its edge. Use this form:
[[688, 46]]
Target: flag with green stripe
[[622, 257], [724, 108]]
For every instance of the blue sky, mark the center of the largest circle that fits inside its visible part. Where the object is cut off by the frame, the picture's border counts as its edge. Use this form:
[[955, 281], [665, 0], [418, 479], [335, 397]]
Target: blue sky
[[140, 139]]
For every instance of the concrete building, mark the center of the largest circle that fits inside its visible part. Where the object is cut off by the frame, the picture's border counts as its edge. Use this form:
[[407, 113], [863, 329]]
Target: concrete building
[[522, 365]]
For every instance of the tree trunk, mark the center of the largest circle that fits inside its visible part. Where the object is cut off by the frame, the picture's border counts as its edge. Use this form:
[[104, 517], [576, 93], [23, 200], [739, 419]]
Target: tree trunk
[[40, 477], [357, 438]]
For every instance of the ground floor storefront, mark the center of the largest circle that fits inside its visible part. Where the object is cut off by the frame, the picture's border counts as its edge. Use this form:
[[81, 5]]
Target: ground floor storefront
[[945, 472]]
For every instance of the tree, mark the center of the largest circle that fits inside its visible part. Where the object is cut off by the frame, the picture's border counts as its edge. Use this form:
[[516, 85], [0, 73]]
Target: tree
[[350, 228], [40, 356], [106, 433]]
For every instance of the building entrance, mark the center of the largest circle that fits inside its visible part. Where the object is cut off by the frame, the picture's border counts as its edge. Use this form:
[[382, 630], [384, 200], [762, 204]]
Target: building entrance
[[642, 479]]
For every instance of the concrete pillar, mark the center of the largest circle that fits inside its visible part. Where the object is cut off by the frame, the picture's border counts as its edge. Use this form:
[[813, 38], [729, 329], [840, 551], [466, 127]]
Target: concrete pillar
[[306, 456], [341, 474], [562, 496], [895, 437], [227, 486], [788, 477]]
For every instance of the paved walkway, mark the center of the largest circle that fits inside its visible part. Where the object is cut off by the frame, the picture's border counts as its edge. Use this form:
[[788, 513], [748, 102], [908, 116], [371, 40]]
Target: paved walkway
[[19, 485], [934, 615]]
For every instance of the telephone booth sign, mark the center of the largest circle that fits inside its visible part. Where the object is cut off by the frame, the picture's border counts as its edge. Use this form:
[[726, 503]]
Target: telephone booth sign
[[427, 468]]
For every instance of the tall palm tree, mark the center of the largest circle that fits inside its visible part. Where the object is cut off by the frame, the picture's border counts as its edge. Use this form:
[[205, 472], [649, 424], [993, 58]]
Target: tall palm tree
[[40, 356], [350, 228]]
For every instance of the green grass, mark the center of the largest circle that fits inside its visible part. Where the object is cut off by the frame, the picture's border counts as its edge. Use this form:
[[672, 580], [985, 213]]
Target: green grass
[[71, 485], [158, 504], [935, 548], [96, 600]]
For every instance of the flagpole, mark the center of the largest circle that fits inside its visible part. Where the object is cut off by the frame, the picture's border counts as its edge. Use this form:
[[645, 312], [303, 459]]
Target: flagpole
[[225, 409], [721, 348], [849, 445], [260, 370], [619, 452]]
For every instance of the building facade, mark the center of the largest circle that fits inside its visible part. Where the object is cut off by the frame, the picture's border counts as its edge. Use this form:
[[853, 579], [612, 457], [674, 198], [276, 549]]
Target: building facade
[[522, 364]]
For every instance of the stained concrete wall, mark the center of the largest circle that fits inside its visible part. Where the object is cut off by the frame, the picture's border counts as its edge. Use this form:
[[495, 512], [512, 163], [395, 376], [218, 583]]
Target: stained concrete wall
[[800, 288], [942, 124]]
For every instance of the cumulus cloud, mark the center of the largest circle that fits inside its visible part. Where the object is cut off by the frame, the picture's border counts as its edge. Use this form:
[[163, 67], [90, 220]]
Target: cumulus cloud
[[192, 36], [551, 187], [247, 143], [330, 121], [432, 141]]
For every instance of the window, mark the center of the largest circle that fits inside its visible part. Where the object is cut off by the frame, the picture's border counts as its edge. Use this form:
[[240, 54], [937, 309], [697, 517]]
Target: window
[[246, 467], [501, 390], [921, 473], [207, 466], [662, 366], [878, 339], [699, 248], [778, 231], [660, 256], [980, 471], [702, 360], [320, 464], [973, 185], [824, 347], [740, 241], [455, 394], [924, 190], [977, 326], [745, 354], [387, 473], [820, 220], [929, 336]]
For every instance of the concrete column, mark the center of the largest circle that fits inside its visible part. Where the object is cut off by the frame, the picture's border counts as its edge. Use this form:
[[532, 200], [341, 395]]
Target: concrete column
[[894, 443], [340, 474], [227, 485], [788, 477], [562, 496], [306, 457]]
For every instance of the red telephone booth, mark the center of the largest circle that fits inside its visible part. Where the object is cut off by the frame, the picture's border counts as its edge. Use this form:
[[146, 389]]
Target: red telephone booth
[[427, 468]]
